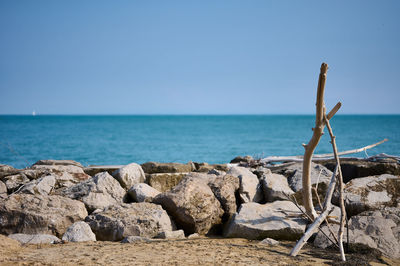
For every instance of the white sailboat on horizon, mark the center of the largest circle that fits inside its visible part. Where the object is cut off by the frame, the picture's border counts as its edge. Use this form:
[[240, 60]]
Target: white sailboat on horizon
[[33, 113]]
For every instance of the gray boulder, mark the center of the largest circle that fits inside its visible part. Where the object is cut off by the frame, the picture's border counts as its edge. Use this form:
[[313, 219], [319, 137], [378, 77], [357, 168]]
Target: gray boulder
[[269, 242], [35, 239], [164, 182], [129, 175], [66, 175], [294, 173], [58, 162], [142, 192], [39, 214], [41, 186], [178, 234], [224, 189], [6, 170], [14, 182], [98, 192], [3, 190], [378, 229], [116, 222], [135, 239], [370, 193], [95, 169], [155, 167], [275, 220], [275, 187], [192, 205], [79, 232], [250, 189]]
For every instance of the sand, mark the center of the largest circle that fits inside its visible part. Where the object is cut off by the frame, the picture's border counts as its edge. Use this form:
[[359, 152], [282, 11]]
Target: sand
[[201, 251]]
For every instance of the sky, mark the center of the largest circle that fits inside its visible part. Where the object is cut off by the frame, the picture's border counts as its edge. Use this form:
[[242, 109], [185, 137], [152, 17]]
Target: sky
[[198, 57]]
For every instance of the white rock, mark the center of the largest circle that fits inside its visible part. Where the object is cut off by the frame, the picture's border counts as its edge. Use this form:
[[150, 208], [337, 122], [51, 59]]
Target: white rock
[[41, 186], [250, 189], [178, 234], [275, 187], [130, 175], [142, 192], [35, 239], [269, 242], [79, 232]]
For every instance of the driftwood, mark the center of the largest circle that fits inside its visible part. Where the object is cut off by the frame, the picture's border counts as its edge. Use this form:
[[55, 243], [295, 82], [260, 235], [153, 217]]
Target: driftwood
[[341, 200], [330, 156]]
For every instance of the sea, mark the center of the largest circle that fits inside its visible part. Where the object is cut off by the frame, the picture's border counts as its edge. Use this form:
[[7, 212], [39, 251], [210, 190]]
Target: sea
[[123, 139]]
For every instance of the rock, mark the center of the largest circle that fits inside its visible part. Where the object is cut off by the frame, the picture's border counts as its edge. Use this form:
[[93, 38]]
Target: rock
[[95, 169], [14, 182], [142, 192], [178, 234], [205, 167], [6, 170], [256, 221], [275, 187], [129, 175], [245, 159], [294, 174], [3, 190], [39, 214], [360, 168], [269, 242], [165, 181], [136, 219], [376, 229], [370, 193], [134, 239], [41, 186], [98, 192], [224, 189], [58, 162], [155, 167], [66, 175], [193, 236], [216, 172], [192, 205], [250, 189], [35, 239], [79, 232]]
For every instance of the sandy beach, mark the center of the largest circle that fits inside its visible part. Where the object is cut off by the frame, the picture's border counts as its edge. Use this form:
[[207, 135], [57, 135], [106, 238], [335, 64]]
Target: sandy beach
[[201, 251]]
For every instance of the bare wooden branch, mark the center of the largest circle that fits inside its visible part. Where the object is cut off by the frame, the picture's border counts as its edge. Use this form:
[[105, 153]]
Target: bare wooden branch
[[312, 144], [327, 156], [317, 222], [334, 110], [341, 201]]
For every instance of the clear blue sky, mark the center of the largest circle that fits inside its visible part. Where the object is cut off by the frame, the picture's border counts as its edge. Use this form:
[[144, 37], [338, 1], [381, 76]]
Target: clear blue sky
[[197, 57]]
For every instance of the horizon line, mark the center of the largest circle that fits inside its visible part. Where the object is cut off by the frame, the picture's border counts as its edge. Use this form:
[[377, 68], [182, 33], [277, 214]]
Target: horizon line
[[183, 114]]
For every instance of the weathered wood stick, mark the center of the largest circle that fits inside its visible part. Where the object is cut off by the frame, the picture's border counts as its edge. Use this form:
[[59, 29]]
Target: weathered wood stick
[[317, 222], [312, 144], [341, 200]]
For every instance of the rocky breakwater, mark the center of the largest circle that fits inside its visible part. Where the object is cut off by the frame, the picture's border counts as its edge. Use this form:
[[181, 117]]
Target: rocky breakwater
[[54, 200]]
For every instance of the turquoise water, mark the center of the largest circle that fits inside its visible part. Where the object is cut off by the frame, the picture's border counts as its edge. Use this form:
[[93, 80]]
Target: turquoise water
[[213, 139]]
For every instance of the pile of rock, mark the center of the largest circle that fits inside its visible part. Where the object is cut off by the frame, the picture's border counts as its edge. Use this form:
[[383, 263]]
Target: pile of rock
[[57, 200]]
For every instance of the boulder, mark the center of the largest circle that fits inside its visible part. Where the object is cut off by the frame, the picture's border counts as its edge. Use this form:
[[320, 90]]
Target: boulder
[[250, 189], [79, 232], [269, 242], [41, 186], [275, 187], [370, 193], [193, 236], [274, 220], [242, 159], [14, 182], [95, 169], [155, 167], [205, 167], [164, 182], [116, 222], [98, 192], [66, 175], [39, 214], [356, 168], [294, 173], [135, 239], [3, 190], [192, 205], [35, 239], [129, 175], [378, 229], [224, 189], [58, 162], [142, 192], [6, 170], [178, 234]]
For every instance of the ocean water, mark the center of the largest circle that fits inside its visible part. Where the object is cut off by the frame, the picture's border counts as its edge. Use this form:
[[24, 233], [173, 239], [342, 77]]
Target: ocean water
[[212, 139]]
